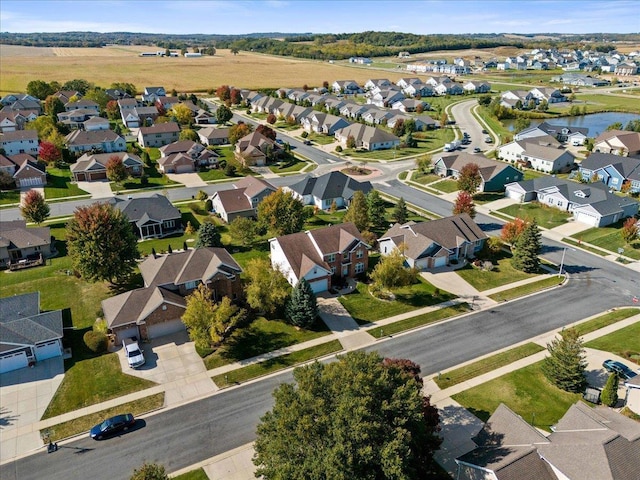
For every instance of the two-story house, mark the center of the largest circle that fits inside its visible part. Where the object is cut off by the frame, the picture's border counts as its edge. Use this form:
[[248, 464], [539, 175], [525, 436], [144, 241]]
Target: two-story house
[[19, 141], [242, 200], [159, 134]]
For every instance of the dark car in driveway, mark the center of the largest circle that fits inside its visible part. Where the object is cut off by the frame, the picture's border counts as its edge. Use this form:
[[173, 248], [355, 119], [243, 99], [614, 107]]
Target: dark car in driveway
[[624, 372], [112, 425]]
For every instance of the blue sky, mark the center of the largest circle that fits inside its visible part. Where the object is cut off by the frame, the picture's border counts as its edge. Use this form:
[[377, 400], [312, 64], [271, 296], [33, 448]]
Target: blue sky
[[325, 16]]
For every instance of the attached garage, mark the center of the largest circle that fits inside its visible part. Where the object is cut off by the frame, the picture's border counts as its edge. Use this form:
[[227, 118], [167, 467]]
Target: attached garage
[[439, 262], [587, 217], [165, 328], [184, 168], [126, 333], [48, 350], [13, 361], [320, 285]]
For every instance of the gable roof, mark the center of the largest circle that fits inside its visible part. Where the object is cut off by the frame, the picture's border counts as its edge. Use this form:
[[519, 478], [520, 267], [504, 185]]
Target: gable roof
[[234, 200], [331, 185], [488, 168], [136, 305], [19, 135], [98, 161], [15, 234], [628, 167], [179, 268], [21, 322], [630, 140], [90, 137], [253, 185], [156, 207], [168, 127]]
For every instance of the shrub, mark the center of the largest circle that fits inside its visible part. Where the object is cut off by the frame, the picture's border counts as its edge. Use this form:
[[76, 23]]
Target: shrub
[[208, 205], [338, 148], [609, 395], [97, 342], [304, 134], [144, 180], [101, 326]]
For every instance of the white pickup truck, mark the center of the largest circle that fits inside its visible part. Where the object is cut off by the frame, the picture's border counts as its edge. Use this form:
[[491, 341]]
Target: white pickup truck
[[133, 352]]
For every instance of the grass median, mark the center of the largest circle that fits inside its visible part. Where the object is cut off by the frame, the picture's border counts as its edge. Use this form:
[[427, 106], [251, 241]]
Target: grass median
[[274, 364], [486, 365], [606, 320], [419, 320], [527, 289], [84, 423]]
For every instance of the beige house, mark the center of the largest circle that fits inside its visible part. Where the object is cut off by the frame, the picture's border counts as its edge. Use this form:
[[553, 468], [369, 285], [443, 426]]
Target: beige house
[[159, 134]]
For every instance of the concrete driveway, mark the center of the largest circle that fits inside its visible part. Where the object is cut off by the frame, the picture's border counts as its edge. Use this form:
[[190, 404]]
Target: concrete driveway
[[97, 189], [187, 179], [172, 361], [24, 397]]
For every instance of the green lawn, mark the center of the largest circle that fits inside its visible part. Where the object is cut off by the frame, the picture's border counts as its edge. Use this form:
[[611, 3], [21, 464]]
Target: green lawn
[[624, 343], [585, 246], [91, 381], [365, 309], [526, 391], [547, 217], [227, 154], [292, 165], [527, 289], [274, 364], [531, 174], [321, 139], [446, 186], [608, 318], [419, 320], [192, 475], [84, 423], [502, 274], [600, 103], [262, 336], [424, 178], [426, 142], [154, 178], [610, 239], [9, 197], [59, 184], [487, 197], [475, 369]]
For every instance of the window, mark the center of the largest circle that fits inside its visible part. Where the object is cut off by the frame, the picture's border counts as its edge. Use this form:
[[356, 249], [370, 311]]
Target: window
[[359, 268], [333, 270], [331, 258], [191, 285], [359, 253], [170, 224]]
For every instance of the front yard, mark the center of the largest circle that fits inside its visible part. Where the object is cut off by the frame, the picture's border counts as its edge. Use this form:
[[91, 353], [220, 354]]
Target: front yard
[[624, 343], [610, 239], [503, 273], [364, 308], [426, 142], [545, 216], [59, 184], [446, 186]]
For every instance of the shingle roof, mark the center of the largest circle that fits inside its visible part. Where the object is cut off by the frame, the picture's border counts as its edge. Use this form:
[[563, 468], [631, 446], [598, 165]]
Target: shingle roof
[[157, 207], [17, 234], [253, 186], [234, 200], [23, 305], [18, 135], [331, 185], [168, 127], [22, 323], [136, 305], [84, 137], [488, 168]]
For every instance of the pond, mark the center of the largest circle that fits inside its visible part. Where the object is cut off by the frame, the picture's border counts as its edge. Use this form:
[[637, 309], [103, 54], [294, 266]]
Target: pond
[[595, 122]]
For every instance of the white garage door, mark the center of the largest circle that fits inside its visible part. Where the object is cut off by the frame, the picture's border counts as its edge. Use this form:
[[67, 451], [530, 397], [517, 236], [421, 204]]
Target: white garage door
[[48, 350], [440, 262], [319, 285], [184, 169], [588, 219], [514, 194], [166, 328], [128, 333], [13, 362]]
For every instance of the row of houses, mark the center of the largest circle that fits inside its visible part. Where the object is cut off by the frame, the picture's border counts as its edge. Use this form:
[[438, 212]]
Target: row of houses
[[537, 95]]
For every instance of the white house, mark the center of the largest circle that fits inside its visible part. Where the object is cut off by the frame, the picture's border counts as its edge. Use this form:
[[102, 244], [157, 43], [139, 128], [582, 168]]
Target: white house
[[19, 141]]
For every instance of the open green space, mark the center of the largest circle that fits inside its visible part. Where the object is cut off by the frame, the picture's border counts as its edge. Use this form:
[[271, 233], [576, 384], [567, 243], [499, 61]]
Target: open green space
[[9, 197], [605, 320], [545, 216], [321, 139], [91, 381], [475, 369], [419, 320], [610, 239], [84, 423], [494, 124], [446, 186], [602, 102], [585, 246], [503, 273], [155, 179], [262, 336], [59, 184], [527, 289], [364, 308], [291, 165], [530, 174], [277, 363], [624, 343], [424, 178], [426, 142], [227, 155], [525, 391]]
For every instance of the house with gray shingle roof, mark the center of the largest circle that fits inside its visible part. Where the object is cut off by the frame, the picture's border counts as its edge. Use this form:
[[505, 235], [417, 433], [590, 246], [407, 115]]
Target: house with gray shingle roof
[[20, 141], [336, 251], [26, 335], [494, 175], [618, 142], [612, 170], [24, 169], [22, 245], [331, 187], [159, 134], [539, 153], [242, 200], [367, 137], [150, 217], [586, 444], [80, 141], [435, 243], [91, 167]]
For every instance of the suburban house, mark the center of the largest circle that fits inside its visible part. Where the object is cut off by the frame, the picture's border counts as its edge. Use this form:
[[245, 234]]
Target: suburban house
[[156, 309], [318, 255], [159, 134], [367, 137], [93, 166], [23, 247], [11, 121], [592, 204], [586, 443], [150, 217], [166, 103], [185, 156], [214, 136], [326, 189], [24, 170], [563, 133], [95, 123], [28, 336], [476, 87], [435, 243], [75, 118], [139, 116], [531, 153], [618, 142], [324, 123], [550, 94], [19, 141], [242, 200], [410, 105], [80, 141], [254, 149], [348, 87], [65, 96], [151, 94], [612, 170], [495, 175], [632, 398]]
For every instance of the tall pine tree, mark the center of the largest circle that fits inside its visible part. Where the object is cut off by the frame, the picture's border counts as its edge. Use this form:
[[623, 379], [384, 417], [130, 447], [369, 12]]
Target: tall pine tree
[[566, 364], [609, 394], [527, 248], [208, 236], [302, 308], [376, 209], [400, 212]]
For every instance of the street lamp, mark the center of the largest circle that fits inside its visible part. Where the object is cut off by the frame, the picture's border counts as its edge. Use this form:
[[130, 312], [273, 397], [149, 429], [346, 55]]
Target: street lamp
[[562, 261]]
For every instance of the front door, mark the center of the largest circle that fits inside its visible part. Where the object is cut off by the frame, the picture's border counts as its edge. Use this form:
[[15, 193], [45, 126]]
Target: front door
[[345, 270]]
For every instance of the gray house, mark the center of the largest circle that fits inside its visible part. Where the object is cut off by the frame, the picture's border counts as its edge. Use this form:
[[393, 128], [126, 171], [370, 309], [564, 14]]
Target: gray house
[[612, 170], [495, 175], [331, 187], [150, 217]]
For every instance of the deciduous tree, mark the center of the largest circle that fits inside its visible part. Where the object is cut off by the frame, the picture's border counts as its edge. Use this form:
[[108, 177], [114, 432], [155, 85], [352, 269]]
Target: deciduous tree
[[53, 106], [238, 131], [223, 114], [208, 236], [526, 249], [390, 271], [281, 213], [112, 110], [235, 96], [243, 229], [39, 89], [351, 419], [116, 170], [511, 231], [629, 230], [358, 211], [49, 153], [34, 208], [271, 119], [566, 364], [400, 212], [469, 179], [267, 289], [223, 92], [464, 204], [188, 134], [101, 243], [266, 131], [424, 163], [302, 307], [182, 114]]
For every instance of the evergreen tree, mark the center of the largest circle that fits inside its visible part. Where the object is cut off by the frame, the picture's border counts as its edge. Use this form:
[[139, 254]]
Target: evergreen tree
[[566, 364], [609, 395], [302, 308], [400, 213], [376, 209], [527, 248], [358, 212], [208, 236]]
